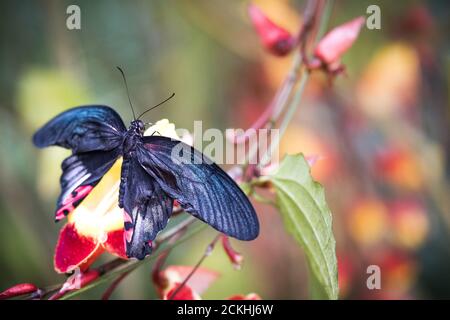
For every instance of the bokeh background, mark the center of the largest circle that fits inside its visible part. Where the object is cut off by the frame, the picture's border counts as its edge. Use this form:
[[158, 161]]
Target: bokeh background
[[382, 132]]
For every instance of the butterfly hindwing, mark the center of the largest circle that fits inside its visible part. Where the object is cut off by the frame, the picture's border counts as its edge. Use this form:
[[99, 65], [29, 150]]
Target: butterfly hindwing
[[200, 186], [80, 173], [147, 208], [83, 129]]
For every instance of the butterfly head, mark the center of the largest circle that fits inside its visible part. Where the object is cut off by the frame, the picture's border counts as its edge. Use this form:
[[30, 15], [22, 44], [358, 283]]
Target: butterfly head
[[138, 127]]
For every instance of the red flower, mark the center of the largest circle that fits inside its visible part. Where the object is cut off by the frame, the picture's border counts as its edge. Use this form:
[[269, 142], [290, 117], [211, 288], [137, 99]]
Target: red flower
[[274, 38], [95, 226]]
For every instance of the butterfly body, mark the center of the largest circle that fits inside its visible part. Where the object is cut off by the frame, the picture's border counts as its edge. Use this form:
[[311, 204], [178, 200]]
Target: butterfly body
[[133, 136], [151, 178]]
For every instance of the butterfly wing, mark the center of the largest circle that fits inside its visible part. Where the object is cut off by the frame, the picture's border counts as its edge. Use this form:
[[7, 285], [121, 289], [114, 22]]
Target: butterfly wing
[[80, 174], [95, 135], [147, 208], [200, 186], [83, 129]]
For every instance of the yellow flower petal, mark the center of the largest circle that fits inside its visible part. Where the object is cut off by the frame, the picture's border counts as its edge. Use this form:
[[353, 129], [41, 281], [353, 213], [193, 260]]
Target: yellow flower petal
[[99, 212]]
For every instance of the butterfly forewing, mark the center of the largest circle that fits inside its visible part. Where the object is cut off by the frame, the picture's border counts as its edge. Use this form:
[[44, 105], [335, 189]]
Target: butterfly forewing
[[83, 129]]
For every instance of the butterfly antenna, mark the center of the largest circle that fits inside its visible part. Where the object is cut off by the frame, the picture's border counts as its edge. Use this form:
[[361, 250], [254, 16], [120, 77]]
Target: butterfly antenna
[[128, 92], [165, 100]]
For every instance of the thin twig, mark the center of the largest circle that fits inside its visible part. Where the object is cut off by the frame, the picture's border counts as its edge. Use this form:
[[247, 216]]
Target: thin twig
[[206, 254], [287, 119], [312, 11], [160, 261]]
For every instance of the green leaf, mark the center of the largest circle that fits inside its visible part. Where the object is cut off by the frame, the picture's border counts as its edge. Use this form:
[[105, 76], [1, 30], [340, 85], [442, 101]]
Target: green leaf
[[307, 217]]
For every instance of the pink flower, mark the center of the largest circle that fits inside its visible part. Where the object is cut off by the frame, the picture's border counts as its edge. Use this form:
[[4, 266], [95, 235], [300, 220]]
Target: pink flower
[[336, 42]]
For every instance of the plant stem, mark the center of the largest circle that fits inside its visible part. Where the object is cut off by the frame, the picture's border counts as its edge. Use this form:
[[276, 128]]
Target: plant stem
[[272, 113], [325, 12], [279, 103], [206, 254], [287, 119]]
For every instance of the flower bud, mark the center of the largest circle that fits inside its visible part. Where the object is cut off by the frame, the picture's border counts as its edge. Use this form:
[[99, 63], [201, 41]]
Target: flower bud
[[275, 39], [18, 290], [336, 42]]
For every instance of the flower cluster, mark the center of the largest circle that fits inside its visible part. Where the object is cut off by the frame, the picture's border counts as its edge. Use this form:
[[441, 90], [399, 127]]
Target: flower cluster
[[327, 52]]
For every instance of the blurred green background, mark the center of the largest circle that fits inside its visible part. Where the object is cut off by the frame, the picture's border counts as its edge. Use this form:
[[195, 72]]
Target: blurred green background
[[382, 131]]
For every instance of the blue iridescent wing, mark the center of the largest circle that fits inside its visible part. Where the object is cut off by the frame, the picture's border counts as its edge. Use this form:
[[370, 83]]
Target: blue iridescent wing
[[201, 187], [83, 129], [95, 135], [147, 208]]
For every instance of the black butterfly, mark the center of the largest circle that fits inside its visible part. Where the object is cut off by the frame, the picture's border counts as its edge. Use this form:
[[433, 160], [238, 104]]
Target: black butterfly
[[150, 177]]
